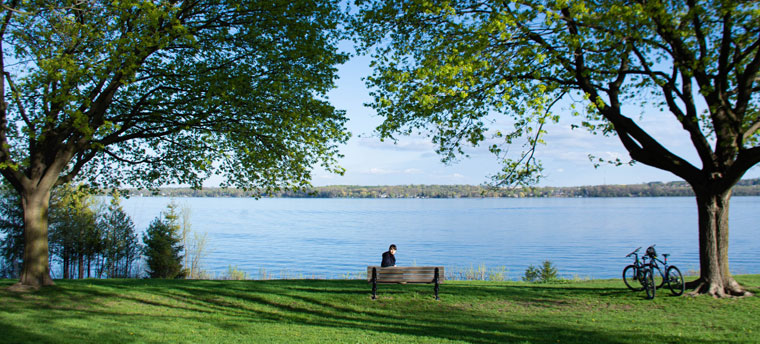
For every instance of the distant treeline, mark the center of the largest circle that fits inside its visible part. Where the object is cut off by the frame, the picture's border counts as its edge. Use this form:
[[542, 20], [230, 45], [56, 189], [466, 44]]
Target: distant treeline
[[750, 187]]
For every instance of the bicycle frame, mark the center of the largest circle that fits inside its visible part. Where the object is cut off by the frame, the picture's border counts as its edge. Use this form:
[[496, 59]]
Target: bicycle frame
[[654, 263], [640, 265]]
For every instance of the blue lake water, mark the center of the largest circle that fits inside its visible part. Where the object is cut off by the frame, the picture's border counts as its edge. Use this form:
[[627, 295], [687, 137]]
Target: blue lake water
[[330, 238]]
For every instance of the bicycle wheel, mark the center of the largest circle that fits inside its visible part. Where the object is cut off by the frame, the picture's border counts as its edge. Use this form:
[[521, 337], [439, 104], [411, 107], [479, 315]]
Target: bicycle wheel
[[675, 281], [631, 278], [659, 276], [649, 285]]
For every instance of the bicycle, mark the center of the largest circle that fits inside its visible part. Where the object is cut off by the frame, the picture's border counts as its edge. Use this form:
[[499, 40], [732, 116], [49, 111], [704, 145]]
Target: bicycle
[[666, 273], [639, 272]]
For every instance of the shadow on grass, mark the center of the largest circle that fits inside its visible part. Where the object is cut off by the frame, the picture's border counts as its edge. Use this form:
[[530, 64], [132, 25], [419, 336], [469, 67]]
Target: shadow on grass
[[470, 312], [402, 310]]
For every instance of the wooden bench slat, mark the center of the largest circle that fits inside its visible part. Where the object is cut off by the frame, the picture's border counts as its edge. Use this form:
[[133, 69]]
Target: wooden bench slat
[[406, 268], [391, 276], [424, 274]]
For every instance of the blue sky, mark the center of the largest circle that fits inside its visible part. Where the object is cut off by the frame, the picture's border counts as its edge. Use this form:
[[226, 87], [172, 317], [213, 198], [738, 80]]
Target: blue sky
[[412, 160]]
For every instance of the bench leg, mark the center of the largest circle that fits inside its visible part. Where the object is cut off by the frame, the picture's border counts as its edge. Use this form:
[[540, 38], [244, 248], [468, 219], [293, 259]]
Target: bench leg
[[374, 283], [436, 285]]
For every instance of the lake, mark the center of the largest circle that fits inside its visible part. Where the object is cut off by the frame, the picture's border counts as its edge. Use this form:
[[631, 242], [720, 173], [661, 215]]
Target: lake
[[338, 238]]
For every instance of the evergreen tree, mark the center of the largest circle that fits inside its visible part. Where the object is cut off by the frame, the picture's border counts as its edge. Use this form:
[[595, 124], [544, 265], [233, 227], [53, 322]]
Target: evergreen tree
[[11, 233], [163, 246], [121, 247], [74, 235]]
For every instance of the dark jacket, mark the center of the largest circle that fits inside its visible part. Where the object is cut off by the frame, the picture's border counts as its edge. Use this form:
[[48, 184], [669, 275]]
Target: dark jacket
[[388, 259]]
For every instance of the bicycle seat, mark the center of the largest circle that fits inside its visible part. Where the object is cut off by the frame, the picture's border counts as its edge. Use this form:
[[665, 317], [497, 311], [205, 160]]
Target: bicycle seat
[[666, 255]]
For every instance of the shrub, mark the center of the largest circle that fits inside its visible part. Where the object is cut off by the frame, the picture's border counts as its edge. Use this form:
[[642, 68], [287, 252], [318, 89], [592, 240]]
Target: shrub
[[235, 274], [545, 273], [498, 275]]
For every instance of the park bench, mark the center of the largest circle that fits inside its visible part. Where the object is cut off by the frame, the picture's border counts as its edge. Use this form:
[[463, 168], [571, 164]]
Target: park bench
[[404, 275]]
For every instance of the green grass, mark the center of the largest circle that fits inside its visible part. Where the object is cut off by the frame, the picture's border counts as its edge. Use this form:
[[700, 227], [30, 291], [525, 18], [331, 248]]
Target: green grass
[[186, 311]]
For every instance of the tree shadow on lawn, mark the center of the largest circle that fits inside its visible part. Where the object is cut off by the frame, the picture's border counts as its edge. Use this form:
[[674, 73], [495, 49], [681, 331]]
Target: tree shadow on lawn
[[465, 312], [400, 311], [12, 334]]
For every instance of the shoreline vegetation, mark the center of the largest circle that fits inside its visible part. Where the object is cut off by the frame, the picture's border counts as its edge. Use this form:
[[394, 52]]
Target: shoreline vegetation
[[748, 187]]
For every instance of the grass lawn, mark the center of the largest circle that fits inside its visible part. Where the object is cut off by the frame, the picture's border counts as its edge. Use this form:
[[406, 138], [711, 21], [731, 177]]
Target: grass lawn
[[275, 311]]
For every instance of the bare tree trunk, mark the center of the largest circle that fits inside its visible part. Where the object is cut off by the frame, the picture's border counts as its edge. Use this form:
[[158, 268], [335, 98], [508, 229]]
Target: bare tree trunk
[[36, 270], [715, 277], [80, 259], [72, 265], [66, 258]]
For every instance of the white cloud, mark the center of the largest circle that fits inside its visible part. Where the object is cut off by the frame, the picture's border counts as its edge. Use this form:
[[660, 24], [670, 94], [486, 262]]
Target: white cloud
[[380, 171], [413, 171]]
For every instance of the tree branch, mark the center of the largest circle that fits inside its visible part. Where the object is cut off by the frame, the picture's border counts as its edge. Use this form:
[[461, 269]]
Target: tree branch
[[20, 105], [751, 131], [11, 10], [725, 51], [640, 145], [130, 162], [698, 32], [744, 161], [9, 168], [680, 51], [529, 155], [688, 119], [83, 160], [747, 78]]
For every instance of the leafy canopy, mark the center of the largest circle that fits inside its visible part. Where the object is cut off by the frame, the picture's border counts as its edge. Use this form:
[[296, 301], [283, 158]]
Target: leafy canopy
[[147, 92], [446, 67]]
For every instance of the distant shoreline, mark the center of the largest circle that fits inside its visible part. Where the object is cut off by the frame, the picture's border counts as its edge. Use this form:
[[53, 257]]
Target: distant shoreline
[[749, 187]]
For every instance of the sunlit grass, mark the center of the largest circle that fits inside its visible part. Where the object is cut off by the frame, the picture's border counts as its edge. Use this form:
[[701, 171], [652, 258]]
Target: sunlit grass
[[198, 311]]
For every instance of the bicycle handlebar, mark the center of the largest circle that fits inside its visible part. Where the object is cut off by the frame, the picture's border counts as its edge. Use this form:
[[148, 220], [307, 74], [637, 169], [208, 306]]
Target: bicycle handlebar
[[634, 252]]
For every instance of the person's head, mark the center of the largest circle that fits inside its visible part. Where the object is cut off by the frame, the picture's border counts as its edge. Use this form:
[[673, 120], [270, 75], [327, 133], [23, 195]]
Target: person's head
[[392, 249]]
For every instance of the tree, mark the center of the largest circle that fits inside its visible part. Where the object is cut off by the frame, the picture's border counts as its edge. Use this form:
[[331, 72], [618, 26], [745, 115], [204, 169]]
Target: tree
[[163, 246], [11, 233], [446, 67], [75, 237], [146, 92], [121, 247]]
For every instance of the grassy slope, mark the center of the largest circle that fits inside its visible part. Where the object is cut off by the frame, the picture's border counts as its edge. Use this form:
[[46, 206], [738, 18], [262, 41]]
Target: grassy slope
[[165, 311]]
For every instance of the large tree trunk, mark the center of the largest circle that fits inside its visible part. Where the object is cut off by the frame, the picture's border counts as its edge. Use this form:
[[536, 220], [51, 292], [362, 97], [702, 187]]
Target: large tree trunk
[[715, 278], [36, 270]]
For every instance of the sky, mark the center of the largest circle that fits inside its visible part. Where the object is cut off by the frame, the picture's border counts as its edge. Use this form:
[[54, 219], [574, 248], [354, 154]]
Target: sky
[[412, 160]]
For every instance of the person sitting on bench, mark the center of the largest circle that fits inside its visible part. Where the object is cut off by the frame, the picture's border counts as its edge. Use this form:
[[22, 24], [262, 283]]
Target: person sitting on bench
[[389, 257]]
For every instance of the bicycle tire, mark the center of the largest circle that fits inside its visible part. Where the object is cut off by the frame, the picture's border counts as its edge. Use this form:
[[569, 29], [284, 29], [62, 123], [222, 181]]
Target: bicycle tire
[[649, 285], [631, 278], [675, 281], [659, 277]]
